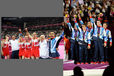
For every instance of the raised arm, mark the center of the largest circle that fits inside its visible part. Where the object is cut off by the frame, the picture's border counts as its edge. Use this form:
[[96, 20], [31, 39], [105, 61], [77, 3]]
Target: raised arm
[[76, 24], [81, 22], [1, 47], [92, 21], [2, 43], [69, 25], [60, 37], [20, 33], [27, 33]]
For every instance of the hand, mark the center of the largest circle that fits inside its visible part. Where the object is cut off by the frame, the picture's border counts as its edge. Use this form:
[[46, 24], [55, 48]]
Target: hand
[[104, 44], [79, 15], [7, 38], [88, 47], [89, 13], [67, 15], [67, 19], [57, 49], [110, 44], [19, 30], [1, 53], [47, 40], [62, 23], [62, 29], [74, 16], [26, 29], [74, 19]]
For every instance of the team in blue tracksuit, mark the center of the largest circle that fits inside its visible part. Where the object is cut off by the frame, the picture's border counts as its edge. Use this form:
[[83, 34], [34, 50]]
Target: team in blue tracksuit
[[85, 35], [84, 41], [73, 40], [53, 45], [98, 35]]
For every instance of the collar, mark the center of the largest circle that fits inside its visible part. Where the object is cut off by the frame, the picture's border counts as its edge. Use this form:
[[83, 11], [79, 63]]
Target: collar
[[99, 26], [106, 29], [51, 38]]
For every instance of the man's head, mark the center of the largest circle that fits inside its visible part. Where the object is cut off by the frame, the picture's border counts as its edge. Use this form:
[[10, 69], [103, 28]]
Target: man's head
[[34, 35], [42, 37], [51, 34], [13, 37], [7, 37], [26, 38], [62, 23], [84, 27], [21, 38], [89, 25], [78, 71], [105, 25], [98, 23], [74, 0], [64, 35], [75, 28]]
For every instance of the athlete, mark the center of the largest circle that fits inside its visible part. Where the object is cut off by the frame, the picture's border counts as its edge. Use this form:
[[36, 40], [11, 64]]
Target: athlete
[[67, 47], [99, 35], [35, 46], [84, 42], [5, 47], [53, 45], [73, 40], [28, 48], [109, 42], [21, 48]]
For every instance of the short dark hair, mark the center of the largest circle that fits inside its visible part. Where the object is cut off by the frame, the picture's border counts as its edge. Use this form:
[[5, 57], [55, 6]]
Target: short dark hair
[[78, 71]]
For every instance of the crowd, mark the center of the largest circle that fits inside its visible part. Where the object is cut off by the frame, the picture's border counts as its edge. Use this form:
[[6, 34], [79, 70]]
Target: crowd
[[38, 32], [30, 45], [86, 30]]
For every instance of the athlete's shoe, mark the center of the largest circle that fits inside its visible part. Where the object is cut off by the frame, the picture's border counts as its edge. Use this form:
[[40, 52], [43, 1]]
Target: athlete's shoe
[[78, 63], [82, 63], [91, 62], [106, 62], [102, 62], [97, 62], [86, 63]]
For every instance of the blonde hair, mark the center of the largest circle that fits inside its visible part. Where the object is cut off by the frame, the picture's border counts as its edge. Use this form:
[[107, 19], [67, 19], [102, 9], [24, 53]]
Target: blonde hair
[[42, 37]]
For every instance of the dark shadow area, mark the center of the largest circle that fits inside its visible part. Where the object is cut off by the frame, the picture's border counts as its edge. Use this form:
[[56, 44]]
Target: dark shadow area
[[78, 71], [108, 71]]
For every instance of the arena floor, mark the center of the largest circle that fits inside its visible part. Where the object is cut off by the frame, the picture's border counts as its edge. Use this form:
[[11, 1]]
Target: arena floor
[[88, 69], [87, 72]]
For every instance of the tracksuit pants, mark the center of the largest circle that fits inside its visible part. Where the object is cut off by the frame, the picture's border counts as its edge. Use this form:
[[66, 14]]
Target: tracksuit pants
[[106, 51], [15, 54], [73, 48], [83, 53], [98, 43]]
